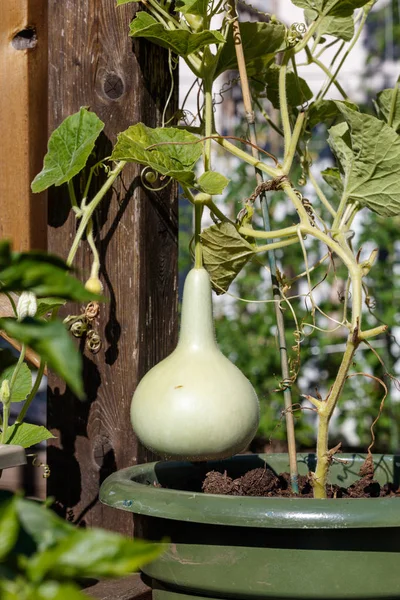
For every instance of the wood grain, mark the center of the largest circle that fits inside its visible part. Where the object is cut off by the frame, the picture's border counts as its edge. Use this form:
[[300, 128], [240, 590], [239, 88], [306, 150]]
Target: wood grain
[[23, 120], [94, 63]]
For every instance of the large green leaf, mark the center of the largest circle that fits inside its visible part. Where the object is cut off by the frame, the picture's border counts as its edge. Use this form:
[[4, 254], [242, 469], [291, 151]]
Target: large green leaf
[[91, 553], [338, 8], [70, 146], [9, 525], [175, 154], [180, 41], [225, 253], [212, 183], [193, 7], [369, 154], [384, 102], [27, 435], [340, 27], [261, 41], [22, 384], [53, 343], [297, 90], [46, 305]]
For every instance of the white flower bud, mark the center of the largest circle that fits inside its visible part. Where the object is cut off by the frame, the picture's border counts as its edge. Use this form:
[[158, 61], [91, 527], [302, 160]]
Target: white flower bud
[[27, 305], [5, 392]]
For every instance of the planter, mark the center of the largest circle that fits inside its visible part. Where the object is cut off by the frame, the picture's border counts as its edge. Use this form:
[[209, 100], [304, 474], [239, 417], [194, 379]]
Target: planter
[[11, 456], [244, 548]]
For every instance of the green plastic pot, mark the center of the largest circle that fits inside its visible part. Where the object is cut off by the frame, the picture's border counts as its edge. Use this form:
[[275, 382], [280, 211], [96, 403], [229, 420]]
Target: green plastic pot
[[245, 548]]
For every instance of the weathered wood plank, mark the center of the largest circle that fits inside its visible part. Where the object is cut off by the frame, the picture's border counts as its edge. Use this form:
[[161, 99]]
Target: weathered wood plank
[[127, 588], [93, 63], [23, 120]]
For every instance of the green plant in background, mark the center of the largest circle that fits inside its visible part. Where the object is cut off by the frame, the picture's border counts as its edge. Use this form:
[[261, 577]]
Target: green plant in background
[[319, 234], [42, 557]]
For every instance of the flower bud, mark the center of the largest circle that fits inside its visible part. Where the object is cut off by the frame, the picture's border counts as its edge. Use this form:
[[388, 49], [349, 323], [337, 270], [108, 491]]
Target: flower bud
[[5, 392], [27, 305], [94, 285]]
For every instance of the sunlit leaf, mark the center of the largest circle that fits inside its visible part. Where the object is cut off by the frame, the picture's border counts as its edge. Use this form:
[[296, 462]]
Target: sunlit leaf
[[170, 151], [340, 27], [27, 435], [70, 146], [338, 8], [194, 7], [212, 182], [180, 41], [368, 151], [22, 384]]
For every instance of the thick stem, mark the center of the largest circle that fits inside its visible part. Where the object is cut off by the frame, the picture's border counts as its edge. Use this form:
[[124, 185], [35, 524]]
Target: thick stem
[[254, 162], [208, 121], [283, 104], [325, 411], [6, 416], [198, 256], [291, 151]]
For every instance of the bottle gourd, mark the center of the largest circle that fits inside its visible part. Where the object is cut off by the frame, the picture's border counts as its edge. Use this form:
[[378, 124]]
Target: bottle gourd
[[195, 404]]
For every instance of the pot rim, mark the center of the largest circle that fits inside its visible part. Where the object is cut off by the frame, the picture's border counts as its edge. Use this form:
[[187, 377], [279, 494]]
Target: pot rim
[[132, 489]]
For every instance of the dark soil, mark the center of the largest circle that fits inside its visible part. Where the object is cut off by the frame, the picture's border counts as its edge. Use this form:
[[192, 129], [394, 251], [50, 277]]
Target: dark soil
[[264, 482]]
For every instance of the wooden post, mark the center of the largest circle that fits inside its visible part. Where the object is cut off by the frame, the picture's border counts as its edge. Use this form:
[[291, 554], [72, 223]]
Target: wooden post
[[23, 120], [92, 62]]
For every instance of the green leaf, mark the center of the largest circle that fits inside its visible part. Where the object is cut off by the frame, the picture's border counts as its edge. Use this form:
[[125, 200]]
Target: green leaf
[[9, 525], [332, 178], [261, 42], [369, 154], [384, 102], [46, 305], [325, 111], [297, 89], [193, 7], [225, 253], [42, 275], [338, 8], [70, 145], [212, 182], [180, 41], [27, 435], [53, 343], [42, 524], [175, 155], [22, 384], [340, 27], [92, 553]]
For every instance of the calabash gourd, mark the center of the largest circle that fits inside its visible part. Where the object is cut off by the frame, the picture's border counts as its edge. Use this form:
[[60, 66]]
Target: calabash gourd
[[195, 404]]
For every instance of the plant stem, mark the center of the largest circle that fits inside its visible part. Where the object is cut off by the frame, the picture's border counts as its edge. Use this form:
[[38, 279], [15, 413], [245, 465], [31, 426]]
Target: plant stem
[[90, 208], [208, 121], [325, 411], [291, 151], [198, 255], [330, 75], [321, 195], [393, 103], [271, 254], [6, 416], [32, 393], [254, 162], [275, 245], [268, 235], [283, 105], [312, 29]]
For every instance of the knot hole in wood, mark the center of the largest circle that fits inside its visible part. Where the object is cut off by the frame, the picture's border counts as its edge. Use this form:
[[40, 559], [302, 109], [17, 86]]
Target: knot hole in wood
[[113, 86], [25, 39]]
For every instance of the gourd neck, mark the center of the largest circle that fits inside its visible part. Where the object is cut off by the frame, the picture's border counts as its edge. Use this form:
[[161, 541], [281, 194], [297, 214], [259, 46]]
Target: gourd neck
[[197, 324]]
